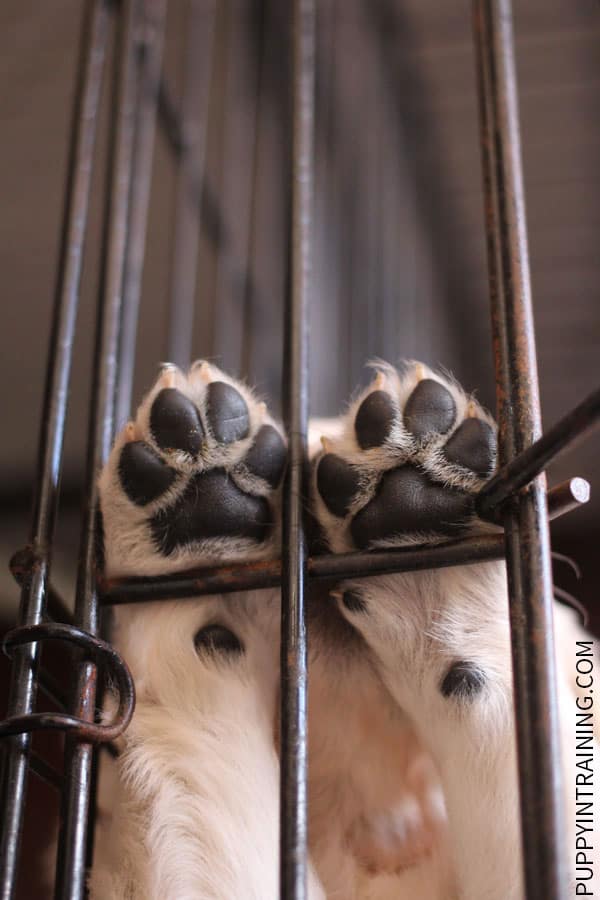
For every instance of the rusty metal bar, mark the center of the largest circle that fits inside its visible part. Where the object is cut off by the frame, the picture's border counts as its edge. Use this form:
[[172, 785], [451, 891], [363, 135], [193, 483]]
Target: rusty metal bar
[[565, 497], [520, 470], [149, 40], [94, 649], [525, 517], [23, 688], [71, 868], [293, 816]]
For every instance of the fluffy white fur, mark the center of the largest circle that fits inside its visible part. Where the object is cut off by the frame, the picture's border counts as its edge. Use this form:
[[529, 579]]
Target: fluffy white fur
[[412, 795]]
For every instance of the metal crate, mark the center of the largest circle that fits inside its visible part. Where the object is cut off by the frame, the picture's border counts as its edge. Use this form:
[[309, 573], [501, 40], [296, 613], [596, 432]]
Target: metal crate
[[516, 496]]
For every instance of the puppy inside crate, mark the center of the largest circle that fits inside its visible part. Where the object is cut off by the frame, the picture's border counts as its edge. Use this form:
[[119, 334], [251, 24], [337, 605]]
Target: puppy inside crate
[[412, 775]]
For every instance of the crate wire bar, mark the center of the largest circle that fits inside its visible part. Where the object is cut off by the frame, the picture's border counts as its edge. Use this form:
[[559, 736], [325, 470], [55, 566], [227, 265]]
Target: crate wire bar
[[23, 688], [519, 420], [515, 497], [73, 836], [293, 820]]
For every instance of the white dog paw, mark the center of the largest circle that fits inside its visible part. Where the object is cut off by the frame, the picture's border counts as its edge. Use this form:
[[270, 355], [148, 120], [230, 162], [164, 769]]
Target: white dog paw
[[405, 465], [195, 479]]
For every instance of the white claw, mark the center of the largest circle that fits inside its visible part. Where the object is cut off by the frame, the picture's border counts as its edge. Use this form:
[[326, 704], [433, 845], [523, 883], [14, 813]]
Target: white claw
[[130, 432], [168, 375], [471, 410], [380, 381], [202, 370], [420, 371], [325, 444]]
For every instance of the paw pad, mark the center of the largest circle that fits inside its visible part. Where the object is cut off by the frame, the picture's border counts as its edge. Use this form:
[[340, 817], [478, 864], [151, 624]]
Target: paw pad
[[407, 501], [337, 483], [144, 475], [430, 409], [206, 467], [267, 456], [434, 453], [374, 420], [175, 422], [212, 505], [227, 413], [473, 445]]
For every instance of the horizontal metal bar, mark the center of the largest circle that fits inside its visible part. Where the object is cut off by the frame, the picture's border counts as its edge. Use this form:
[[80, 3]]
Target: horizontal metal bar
[[563, 498], [524, 467], [267, 573], [567, 496], [254, 576]]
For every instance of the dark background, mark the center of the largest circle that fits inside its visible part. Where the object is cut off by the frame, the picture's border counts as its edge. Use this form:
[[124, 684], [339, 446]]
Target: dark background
[[400, 267]]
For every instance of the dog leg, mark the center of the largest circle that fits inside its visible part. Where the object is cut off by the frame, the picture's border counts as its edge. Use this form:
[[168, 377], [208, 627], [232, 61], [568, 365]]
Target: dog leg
[[403, 468], [195, 480]]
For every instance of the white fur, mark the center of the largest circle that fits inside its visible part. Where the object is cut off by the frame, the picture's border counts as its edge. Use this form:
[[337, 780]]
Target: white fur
[[412, 795]]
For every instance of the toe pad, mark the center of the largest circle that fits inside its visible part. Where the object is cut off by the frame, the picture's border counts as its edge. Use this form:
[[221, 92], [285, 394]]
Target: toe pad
[[227, 413], [473, 445], [374, 420], [266, 458], [337, 483], [175, 423], [430, 409], [143, 474]]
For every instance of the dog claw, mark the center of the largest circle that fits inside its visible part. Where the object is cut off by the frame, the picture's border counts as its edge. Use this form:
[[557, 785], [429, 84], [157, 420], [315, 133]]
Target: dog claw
[[202, 370], [326, 444]]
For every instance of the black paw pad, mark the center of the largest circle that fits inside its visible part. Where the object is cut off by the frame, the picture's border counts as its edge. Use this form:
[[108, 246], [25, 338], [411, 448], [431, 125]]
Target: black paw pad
[[266, 458], [175, 423], [353, 601], [337, 483], [227, 413], [473, 445], [212, 505], [406, 501], [430, 409], [463, 680], [143, 474], [374, 420]]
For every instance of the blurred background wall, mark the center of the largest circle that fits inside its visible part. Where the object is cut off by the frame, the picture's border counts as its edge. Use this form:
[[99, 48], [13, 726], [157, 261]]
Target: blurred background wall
[[400, 252]]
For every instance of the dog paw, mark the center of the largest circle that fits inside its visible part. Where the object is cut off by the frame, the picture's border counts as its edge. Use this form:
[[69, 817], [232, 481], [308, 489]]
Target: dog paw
[[404, 464], [194, 479]]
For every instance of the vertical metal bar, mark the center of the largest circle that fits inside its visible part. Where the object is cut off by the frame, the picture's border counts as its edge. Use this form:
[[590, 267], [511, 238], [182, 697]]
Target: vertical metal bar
[[149, 35], [190, 181], [71, 874], [526, 518], [23, 687], [293, 825]]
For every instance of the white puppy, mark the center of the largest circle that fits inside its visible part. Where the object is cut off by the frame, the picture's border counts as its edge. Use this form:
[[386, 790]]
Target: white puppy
[[410, 712]]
